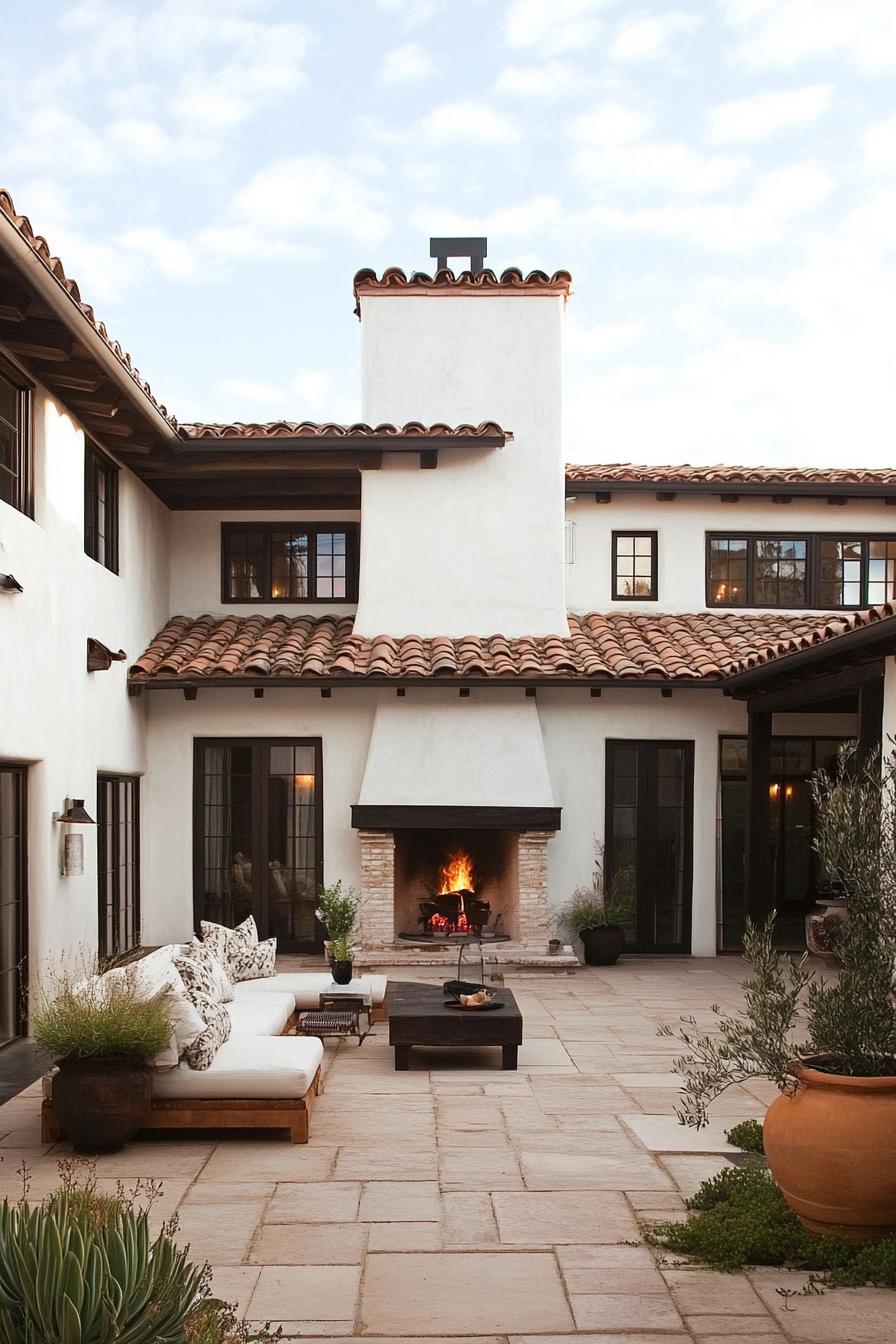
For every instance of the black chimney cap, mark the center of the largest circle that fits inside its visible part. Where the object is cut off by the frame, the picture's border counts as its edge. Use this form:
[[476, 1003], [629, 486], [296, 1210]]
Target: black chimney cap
[[445, 248]]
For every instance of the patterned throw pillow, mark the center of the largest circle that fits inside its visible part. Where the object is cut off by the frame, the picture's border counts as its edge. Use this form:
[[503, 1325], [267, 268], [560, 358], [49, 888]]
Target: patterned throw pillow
[[220, 940], [200, 952], [253, 963], [200, 1053], [198, 977]]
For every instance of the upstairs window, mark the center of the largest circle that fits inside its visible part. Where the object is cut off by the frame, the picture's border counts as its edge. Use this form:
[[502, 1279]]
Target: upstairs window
[[100, 508], [15, 439], [289, 562], [634, 567], [823, 571]]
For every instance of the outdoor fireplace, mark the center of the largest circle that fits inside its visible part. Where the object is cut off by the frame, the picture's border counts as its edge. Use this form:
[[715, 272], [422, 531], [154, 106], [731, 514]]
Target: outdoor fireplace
[[451, 885]]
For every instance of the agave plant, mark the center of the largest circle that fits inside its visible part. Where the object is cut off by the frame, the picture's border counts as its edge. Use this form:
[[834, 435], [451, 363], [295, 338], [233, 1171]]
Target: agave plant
[[84, 1270]]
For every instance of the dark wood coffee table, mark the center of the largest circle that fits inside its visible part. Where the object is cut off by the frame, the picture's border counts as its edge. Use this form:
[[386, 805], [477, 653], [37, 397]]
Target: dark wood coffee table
[[420, 1015]]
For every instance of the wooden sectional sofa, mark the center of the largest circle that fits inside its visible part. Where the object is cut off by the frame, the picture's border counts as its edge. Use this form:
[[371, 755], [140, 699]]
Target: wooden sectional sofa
[[263, 1077]]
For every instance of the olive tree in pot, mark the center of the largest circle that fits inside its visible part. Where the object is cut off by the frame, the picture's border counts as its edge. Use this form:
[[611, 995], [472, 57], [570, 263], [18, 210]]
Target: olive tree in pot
[[339, 913], [597, 914], [829, 1043], [101, 1031]]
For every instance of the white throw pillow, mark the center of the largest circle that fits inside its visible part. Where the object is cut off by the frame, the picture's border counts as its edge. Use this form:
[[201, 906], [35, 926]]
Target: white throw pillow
[[218, 969], [187, 1024], [254, 963]]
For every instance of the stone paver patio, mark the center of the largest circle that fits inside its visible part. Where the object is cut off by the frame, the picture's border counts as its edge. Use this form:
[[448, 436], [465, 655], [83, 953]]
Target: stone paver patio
[[458, 1202]]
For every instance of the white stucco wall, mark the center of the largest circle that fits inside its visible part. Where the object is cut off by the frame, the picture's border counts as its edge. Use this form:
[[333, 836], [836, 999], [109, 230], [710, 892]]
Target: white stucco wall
[[195, 539], [66, 722], [476, 546], [682, 525]]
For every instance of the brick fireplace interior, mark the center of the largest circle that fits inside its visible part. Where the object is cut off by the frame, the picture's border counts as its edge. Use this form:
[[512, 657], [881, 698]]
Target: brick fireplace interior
[[432, 864]]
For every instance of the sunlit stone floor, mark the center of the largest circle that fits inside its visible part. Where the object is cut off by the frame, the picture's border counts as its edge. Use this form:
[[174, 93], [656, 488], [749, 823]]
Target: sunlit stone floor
[[457, 1201]]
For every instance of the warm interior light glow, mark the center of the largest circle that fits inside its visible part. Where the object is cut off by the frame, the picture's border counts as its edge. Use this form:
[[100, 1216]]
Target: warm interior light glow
[[304, 783], [774, 790]]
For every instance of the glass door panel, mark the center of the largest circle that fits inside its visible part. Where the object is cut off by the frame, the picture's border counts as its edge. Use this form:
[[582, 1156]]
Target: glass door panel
[[649, 839], [13, 908], [258, 836]]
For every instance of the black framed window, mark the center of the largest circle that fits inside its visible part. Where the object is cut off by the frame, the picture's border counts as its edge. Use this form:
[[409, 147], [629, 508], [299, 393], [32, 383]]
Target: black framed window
[[100, 508], [15, 439], [13, 900], [258, 835], [823, 570], [634, 566], [289, 562], [118, 863]]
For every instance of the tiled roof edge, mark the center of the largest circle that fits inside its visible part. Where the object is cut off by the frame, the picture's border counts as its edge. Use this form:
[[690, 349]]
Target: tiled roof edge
[[623, 473], [41, 249], [308, 429], [512, 280]]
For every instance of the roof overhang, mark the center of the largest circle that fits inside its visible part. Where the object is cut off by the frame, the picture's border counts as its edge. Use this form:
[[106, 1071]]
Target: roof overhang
[[732, 490]]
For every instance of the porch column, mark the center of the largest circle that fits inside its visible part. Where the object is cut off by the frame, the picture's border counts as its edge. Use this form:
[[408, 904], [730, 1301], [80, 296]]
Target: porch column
[[756, 871], [871, 714], [888, 716], [533, 889], [376, 913]]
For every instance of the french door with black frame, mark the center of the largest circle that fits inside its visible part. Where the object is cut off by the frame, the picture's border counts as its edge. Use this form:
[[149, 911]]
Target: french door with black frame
[[118, 863], [649, 854], [13, 900], [258, 836]]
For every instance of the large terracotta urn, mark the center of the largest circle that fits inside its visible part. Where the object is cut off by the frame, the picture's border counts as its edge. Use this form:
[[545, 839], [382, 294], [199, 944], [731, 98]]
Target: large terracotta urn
[[101, 1102], [830, 1148]]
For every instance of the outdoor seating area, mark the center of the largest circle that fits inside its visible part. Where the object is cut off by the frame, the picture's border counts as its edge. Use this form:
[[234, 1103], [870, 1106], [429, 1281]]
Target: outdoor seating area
[[458, 1200]]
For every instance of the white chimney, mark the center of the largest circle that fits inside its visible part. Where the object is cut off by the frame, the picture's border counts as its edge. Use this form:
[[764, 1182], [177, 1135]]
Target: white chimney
[[476, 546]]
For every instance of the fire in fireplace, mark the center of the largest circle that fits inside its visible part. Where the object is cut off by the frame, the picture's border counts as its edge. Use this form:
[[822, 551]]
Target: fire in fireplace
[[455, 907], [452, 885]]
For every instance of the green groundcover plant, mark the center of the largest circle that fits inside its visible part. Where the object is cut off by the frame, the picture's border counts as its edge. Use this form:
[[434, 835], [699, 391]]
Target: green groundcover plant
[[739, 1217], [596, 905], [81, 1267]]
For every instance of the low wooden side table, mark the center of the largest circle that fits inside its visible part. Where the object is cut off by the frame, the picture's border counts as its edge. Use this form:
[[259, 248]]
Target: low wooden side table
[[421, 1015]]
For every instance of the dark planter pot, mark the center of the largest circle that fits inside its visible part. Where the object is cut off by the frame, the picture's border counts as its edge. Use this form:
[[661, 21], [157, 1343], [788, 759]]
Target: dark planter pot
[[342, 971], [603, 944], [102, 1102]]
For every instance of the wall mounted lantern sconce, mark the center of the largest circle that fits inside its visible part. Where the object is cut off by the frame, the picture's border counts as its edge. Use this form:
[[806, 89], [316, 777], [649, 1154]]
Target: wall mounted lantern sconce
[[73, 841], [10, 584]]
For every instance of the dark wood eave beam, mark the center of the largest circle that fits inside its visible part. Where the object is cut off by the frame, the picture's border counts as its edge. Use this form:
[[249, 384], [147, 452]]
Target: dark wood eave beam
[[454, 683], [809, 490], [881, 636], [337, 443], [800, 691], [210, 466]]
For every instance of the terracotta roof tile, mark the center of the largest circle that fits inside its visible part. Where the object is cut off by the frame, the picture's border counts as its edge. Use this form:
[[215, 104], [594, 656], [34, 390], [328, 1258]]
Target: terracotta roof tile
[[627, 473], [307, 429], [41, 249], [622, 646], [512, 281]]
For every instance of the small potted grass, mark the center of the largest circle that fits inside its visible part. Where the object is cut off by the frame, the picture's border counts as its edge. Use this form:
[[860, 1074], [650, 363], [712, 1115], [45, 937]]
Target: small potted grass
[[101, 1032], [597, 914]]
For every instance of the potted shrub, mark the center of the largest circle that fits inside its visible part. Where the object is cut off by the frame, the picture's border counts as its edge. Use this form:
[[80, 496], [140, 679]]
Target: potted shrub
[[101, 1033], [597, 916], [339, 913], [829, 1044]]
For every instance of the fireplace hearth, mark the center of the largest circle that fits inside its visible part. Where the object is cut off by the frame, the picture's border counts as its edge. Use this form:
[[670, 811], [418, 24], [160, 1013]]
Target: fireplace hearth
[[451, 886]]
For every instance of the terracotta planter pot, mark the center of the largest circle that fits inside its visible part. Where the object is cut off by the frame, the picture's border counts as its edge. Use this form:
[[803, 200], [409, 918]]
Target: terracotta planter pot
[[602, 944], [830, 1148], [102, 1102], [825, 927]]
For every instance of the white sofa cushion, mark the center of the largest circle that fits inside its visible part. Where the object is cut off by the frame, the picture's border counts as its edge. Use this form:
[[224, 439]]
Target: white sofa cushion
[[261, 1014], [307, 986], [247, 1067]]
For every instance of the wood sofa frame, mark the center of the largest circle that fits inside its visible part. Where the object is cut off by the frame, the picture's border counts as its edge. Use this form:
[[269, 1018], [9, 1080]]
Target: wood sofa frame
[[289, 1113]]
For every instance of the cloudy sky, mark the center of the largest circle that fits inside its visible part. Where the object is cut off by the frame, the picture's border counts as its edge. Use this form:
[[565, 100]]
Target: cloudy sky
[[718, 175]]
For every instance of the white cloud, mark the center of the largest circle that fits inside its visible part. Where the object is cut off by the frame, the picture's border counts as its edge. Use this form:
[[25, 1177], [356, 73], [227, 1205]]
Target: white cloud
[[553, 25], [610, 124], [554, 79], [763, 217], [878, 145], [410, 13], [141, 138], [309, 394], [293, 200], [525, 219], [647, 167], [592, 343], [760, 116], [468, 122], [646, 37], [169, 256], [782, 34], [405, 64]]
